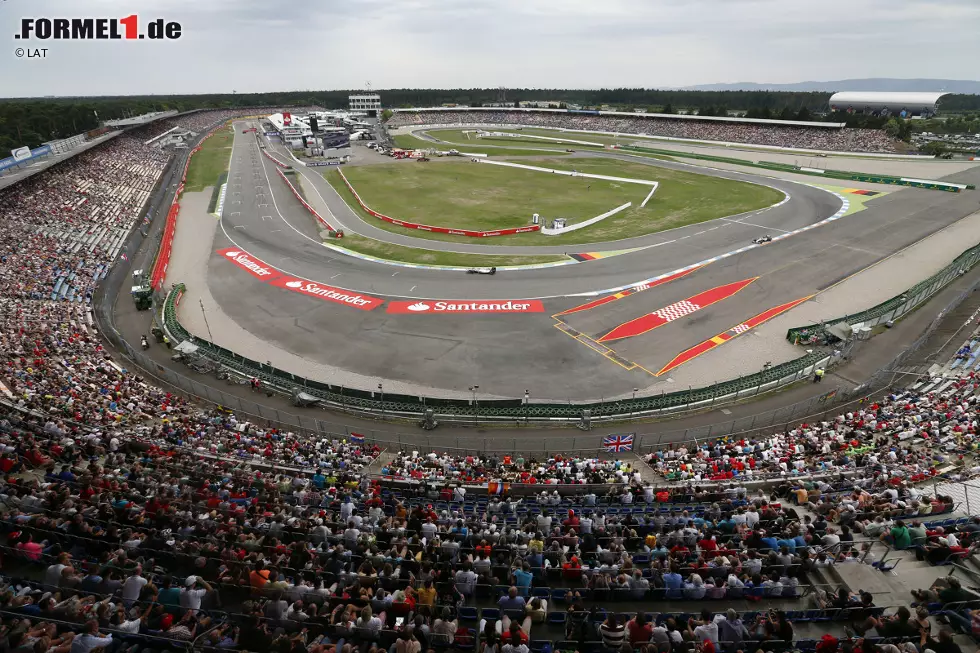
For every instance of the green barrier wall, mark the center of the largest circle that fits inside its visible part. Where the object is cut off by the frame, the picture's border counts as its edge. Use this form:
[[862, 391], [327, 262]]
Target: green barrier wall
[[895, 307], [745, 386], [783, 167]]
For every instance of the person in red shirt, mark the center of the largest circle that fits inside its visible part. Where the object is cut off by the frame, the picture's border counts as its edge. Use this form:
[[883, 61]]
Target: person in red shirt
[[572, 570], [515, 634], [709, 546], [571, 521], [638, 630]]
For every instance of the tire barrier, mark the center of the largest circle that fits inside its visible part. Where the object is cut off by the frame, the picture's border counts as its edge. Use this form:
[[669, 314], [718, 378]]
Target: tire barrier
[[897, 306], [438, 230]]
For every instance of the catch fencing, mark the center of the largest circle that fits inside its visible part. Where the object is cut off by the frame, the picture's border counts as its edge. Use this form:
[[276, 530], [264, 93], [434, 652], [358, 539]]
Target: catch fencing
[[894, 308], [648, 437], [518, 411], [496, 410]]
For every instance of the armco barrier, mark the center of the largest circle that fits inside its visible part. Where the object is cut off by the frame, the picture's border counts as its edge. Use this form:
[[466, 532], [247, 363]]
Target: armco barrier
[[784, 167], [898, 306], [309, 208], [412, 406], [438, 230]]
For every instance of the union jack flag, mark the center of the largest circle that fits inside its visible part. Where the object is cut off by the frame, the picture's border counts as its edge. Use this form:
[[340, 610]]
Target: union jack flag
[[617, 443]]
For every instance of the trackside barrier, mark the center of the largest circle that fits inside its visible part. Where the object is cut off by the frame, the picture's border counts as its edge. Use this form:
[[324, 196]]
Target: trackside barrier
[[438, 230], [412, 406], [897, 306], [783, 167], [274, 159], [309, 208], [166, 244], [819, 407], [159, 268]]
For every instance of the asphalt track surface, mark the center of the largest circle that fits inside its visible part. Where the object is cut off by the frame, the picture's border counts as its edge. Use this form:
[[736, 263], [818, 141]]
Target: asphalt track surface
[[506, 354]]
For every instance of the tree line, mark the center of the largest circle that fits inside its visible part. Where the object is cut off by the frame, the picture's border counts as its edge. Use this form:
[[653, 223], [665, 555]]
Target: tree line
[[33, 121]]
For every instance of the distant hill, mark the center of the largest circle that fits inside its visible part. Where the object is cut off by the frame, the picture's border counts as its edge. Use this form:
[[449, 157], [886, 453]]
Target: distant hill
[[966, 87]]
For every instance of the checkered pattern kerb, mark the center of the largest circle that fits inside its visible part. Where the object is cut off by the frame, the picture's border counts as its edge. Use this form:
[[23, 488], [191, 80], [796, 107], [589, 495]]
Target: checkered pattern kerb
[[677, 310], [741, 328]]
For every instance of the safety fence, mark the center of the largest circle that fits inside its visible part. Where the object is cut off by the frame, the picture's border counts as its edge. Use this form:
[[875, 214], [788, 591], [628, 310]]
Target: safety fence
[[820, 407], [894, 308], [406, 406], [825, 174], [438, 230]]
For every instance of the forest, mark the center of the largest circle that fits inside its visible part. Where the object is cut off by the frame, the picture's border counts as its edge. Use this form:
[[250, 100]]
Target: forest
[[33, 121]]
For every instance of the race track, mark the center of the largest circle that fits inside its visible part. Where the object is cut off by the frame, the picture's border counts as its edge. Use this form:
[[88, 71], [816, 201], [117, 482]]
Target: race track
[[506, 354]]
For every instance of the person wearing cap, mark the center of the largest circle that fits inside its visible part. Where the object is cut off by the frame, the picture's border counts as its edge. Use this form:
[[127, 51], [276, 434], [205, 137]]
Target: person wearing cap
[[193, 593]]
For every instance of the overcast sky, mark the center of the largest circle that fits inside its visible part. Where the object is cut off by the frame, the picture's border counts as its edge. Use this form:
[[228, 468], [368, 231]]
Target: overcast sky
[[267, 45]]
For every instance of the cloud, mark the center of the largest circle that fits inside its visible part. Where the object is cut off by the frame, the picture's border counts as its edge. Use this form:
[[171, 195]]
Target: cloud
[[258, 45]]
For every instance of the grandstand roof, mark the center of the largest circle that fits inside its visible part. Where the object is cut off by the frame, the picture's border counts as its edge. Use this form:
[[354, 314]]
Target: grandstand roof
[[17, 175], [630, 114], [913, 102]]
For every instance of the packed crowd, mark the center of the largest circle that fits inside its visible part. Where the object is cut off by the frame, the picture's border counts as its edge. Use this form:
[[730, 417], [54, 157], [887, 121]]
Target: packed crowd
[[811, 138], [474, 469], [202, 526], [904, 436], [63, 229]]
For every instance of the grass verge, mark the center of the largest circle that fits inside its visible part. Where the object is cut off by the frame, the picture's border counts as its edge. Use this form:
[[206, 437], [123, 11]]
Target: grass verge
[[471, 196], [210, 161], [403, 254]]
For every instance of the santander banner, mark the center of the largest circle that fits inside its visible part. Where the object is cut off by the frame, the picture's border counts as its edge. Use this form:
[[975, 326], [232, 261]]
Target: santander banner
[[456, 306], [314, 289], [255, 267]]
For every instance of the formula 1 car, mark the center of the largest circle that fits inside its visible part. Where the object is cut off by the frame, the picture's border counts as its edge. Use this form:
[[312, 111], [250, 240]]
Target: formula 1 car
[[482, 271], [762, 240]]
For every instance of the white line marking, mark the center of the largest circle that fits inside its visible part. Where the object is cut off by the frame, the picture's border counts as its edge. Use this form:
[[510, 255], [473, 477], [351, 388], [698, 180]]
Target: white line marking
[[413, 289], [336, 275], [759, 226], [394, 273], [238, 226]]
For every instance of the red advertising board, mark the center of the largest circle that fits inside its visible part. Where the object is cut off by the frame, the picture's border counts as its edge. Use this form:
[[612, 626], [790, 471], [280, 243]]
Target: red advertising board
[[327, 293], [287, 118], [466, 306], [257, 268]]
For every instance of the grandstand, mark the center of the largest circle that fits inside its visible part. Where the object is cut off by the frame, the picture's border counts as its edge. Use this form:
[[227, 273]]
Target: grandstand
[[771, 133], [137, 520]]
